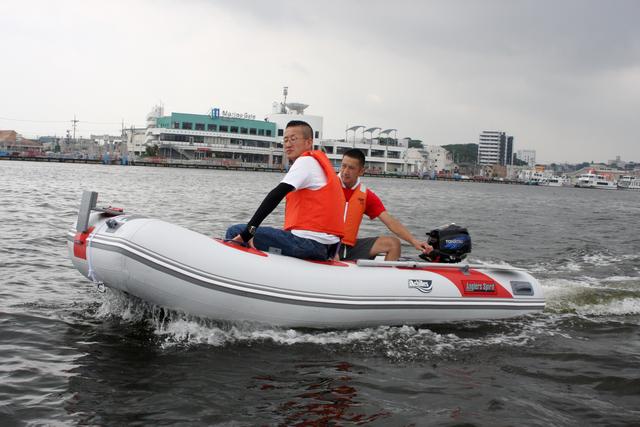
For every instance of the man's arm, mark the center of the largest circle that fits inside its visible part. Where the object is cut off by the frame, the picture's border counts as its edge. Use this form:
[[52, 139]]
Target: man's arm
[[401, 231], [267, 206]]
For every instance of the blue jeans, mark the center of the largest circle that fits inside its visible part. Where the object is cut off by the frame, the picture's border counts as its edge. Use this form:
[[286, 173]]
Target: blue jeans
[[289, 244]]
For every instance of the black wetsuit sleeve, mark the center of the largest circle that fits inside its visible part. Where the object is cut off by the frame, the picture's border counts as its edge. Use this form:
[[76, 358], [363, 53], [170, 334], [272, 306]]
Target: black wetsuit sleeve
[[267, 206]]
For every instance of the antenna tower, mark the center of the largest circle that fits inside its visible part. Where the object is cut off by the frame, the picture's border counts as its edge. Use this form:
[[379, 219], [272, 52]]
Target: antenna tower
[[285, 92], [74, 123]]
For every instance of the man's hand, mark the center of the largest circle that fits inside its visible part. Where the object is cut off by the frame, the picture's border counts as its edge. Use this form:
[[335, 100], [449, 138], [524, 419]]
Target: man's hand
[[423, 247], [401, 231], [240, 241]]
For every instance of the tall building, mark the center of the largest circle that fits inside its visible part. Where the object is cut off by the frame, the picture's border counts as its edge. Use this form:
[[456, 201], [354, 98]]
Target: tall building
[[506, 151], [495, 148], [528, 156]]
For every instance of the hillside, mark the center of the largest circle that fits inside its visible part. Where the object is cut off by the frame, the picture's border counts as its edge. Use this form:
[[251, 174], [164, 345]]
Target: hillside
[[463, 153]]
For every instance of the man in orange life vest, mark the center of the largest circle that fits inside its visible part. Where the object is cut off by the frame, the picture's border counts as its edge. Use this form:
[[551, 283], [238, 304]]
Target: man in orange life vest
[[360, 201], [314, 214]]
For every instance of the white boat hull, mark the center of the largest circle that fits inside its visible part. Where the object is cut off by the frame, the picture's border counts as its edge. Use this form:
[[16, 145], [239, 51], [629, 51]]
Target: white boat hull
[[180, 269]]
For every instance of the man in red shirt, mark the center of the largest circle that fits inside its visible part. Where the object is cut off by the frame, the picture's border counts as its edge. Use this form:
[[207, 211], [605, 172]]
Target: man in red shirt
[[361, 201]]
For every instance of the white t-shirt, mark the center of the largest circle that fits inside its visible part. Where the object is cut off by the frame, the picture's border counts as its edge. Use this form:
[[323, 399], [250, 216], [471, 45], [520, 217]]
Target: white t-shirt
[[306, 172]]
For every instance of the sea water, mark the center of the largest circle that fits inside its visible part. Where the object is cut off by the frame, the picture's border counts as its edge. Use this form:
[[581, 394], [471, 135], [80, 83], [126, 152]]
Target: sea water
[[70, 354]]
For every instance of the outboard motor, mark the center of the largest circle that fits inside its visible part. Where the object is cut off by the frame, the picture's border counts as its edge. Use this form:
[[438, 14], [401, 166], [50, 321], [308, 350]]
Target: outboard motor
[[451, 243]]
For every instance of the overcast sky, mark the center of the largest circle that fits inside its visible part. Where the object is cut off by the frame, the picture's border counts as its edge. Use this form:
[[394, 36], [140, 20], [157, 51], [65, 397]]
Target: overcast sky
[[562, 77]]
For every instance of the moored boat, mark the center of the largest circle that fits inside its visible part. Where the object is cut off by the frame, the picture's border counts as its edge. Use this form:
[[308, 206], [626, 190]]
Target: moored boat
[[629, 182], [592, 180], [180, 269], [556, 181]]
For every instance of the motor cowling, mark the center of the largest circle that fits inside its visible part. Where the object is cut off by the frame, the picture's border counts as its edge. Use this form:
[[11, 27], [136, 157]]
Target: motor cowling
[[451, 244]]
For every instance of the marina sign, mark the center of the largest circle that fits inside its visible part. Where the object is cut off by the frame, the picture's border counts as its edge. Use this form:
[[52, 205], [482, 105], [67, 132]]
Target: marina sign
[[217, 113]]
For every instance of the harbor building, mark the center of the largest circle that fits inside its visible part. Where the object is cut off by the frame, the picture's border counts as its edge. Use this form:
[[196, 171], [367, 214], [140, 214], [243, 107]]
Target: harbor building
[[12, 142], [495, 148], [135, 140], [234, 139], [528, 156], [438, 158], [225, 137], [383, 153]]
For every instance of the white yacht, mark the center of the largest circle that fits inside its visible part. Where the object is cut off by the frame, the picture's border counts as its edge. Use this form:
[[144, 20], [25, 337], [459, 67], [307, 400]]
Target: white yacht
[[592, 180], [556, 181], [629, 182], [586, 180]]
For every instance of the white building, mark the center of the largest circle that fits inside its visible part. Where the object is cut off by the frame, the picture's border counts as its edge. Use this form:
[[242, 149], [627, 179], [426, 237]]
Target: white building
[[380, 158], [437, 158], [528, 156], [235, 139], [135, 139], [489, 148], [495, 148]]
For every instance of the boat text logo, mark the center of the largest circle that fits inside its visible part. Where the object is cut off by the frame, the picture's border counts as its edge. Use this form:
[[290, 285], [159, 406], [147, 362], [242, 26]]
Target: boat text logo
[[424, 286], [216, 113], [475, 287]]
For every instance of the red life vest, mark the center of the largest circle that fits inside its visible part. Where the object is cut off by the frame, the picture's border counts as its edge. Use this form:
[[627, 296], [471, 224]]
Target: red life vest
[[355, 211], [320, 210]]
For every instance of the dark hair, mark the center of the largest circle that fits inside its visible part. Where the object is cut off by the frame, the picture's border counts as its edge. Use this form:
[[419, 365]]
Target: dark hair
[[354, 153], [307, 132]]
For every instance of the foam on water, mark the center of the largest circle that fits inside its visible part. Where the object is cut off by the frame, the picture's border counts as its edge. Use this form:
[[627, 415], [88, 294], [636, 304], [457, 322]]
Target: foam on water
[[174, 329], [399, 343], [604, 259], [624, 307], [590, 296], [587, 297]]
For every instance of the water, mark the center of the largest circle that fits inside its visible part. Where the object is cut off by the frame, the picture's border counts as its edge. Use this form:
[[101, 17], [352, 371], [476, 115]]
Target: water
[[71, 355]]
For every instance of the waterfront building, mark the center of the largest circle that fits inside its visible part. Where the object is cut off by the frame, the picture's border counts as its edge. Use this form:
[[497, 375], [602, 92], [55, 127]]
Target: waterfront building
[[221, 137], [389, 157], [135, 140], [234, 139], [12, 142], [438, 158], [495, 148], [506, 151], [382, 155], [528, 156]]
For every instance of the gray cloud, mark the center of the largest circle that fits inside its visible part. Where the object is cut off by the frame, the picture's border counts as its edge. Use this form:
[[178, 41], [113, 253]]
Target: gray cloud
[[562, 76]]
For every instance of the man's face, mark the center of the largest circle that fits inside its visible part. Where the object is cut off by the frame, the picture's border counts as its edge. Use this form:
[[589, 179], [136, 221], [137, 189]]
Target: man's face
[[295, 142], [350, 170]]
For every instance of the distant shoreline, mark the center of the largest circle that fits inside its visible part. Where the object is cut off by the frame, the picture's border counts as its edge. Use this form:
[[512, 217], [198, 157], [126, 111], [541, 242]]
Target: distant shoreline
[[183, 165]]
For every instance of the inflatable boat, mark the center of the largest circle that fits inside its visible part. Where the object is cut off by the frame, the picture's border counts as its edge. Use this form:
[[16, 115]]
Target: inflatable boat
[[173, 267]]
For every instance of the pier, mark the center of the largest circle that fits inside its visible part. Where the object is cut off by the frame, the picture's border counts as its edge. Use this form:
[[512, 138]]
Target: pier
[[194, 164]]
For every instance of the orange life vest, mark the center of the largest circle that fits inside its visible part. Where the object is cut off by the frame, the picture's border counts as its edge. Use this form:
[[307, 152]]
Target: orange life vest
[[353, 217], [320, 210]]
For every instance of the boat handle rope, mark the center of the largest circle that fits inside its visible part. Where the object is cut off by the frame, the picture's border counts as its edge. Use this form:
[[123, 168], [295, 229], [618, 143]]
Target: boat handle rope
[[91, 274]]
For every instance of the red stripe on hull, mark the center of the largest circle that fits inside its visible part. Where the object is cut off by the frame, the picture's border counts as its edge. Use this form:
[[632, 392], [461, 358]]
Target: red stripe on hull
[[80, 244], [472, 284]]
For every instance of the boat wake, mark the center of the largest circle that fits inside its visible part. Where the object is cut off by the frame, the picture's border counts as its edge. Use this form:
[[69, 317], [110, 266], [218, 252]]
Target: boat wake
[[581, 283], [172, 329], [585, 259], [592, 297]]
